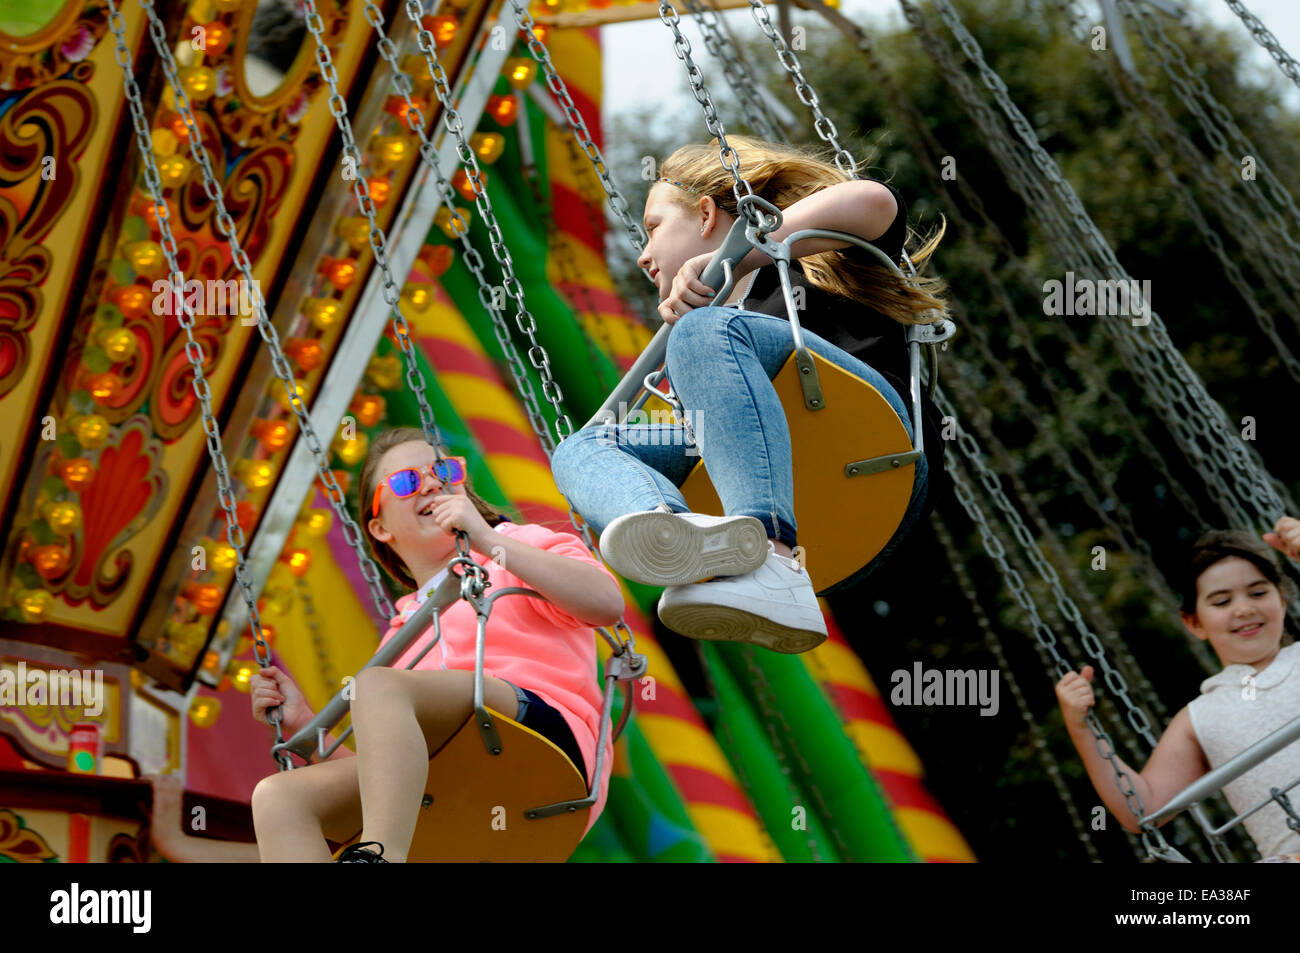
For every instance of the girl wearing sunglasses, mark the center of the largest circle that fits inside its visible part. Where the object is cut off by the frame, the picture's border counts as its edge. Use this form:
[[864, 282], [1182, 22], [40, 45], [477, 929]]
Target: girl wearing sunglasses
[[540, 662]]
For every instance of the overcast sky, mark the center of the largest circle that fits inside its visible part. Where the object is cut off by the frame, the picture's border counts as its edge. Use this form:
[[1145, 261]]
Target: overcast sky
[[648, 46]]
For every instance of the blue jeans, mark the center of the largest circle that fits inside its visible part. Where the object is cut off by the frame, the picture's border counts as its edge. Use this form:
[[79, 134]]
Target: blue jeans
[[720, 362]]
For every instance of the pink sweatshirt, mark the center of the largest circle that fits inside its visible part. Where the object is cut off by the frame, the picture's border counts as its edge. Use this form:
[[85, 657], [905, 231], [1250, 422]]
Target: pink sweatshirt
[[530, 643]]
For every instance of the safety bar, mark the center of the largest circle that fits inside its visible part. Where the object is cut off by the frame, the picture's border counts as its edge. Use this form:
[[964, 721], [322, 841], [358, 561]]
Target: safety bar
[[625, 666], [734, 247], [1229, 771], [312, 735]]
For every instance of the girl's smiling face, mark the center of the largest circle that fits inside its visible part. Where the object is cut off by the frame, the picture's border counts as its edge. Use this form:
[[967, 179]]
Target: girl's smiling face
[[404, 524], [675, 234], [1239, 612]]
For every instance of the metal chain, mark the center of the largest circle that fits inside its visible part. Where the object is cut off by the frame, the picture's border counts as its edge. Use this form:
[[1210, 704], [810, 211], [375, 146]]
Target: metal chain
[[1121, 522], [1048, 215], [727, 155], [226, 226], [1174, 63], [979, 415], [1043, 634], [617, 203], [1262, 315], [822, 123], [378, 244], [1279, 255], [537, 353], [1192, 415], [1134, 716], [735, 70], [1051, 767], [453, 123], [193, 351], [1069, 610], [927, 147], [1264, 38], [1234, 214], [327, 670]]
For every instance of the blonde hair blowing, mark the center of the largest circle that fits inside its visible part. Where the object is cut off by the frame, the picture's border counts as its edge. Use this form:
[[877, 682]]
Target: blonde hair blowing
[[785, 174]]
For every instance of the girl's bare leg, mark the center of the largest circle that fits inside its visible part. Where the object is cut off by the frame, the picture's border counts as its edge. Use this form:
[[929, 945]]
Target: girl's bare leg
[[400, 718], [294, 811]]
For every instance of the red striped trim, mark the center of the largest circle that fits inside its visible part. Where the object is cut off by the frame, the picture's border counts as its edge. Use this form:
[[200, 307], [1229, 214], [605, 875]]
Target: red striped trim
[[670, 703], [704, 787], [452, 357], [854, 703], [494, 436], [904, 790], [733, 859], [572, 219], [602, 300]]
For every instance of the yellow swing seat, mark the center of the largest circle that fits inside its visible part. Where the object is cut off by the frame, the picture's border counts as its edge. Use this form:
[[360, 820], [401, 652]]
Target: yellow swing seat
[[844, 519], [475, 804]]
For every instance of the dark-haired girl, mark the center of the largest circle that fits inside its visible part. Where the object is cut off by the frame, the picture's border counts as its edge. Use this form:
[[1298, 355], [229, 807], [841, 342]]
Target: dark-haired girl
[[1234, 597]]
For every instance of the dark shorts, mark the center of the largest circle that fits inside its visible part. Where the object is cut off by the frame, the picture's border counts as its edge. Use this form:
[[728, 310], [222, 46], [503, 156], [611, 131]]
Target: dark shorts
[[550, 724]]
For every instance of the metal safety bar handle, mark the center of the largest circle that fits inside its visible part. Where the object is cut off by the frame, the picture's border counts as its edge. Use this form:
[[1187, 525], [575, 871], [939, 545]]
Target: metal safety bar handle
[[306, 739], [1229, 771], [627, 666]]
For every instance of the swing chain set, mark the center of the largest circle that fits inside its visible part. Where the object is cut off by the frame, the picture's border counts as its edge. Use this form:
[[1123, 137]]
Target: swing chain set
[[1152, 839], [391, 292], [213, 189], [735, 70], [617, 203], [727, 155], [822, 123], [193, 349], [454, 124]]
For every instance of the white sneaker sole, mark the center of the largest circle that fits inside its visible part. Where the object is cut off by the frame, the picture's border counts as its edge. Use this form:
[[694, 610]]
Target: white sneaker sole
[[714, 623], [662, 549]]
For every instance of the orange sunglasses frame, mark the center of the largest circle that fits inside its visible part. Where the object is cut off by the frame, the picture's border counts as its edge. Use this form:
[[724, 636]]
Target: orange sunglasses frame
[[374, 506]]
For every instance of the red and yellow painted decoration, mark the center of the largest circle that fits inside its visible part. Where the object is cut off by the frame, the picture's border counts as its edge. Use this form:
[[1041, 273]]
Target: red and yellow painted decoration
[[884, 750], [576, 266], [101, 446]]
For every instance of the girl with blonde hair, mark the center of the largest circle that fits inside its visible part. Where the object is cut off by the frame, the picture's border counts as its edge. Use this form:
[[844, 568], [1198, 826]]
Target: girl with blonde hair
[[738, 576]]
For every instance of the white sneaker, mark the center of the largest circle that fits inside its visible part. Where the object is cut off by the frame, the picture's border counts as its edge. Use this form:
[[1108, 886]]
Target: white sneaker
[[774, 606], [661, 548]]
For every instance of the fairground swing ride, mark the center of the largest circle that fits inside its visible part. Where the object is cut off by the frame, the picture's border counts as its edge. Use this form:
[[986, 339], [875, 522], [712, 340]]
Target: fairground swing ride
[[115, 556]]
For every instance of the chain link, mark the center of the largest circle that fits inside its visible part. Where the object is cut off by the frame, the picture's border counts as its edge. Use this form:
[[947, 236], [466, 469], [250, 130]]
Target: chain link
[[1174, 63], [623, 639], [1266, 39], [1121, 522], [1051, 767], [327, 670], [979, 415], [1196, 421], [193, 351], [822, 123], [617, 203], [726, 155], [226, 226], [378, 245], [1046, 639], [1237, 222], [928, 147], [736, 71]]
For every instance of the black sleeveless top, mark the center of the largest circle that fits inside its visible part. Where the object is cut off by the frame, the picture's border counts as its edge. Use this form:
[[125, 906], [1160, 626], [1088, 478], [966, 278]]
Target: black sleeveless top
[[873, 338]]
